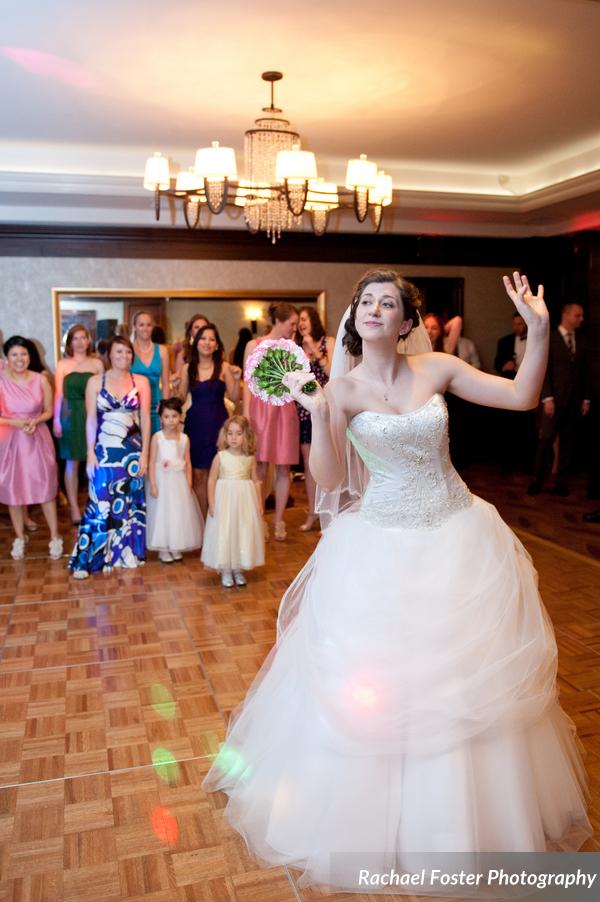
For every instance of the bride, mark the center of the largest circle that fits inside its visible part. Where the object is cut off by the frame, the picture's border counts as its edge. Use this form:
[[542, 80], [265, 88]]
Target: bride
[[410, 703]]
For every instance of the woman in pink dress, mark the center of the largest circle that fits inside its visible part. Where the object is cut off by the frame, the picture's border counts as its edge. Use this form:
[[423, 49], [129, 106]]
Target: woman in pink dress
[[277, 428], [27, 462]]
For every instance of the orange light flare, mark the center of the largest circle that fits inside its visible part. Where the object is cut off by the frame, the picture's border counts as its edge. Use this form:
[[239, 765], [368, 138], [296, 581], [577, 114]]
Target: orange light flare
[[164, 825]]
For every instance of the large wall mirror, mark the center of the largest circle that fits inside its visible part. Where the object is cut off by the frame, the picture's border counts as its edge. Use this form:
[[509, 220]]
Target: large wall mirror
[[102, 310]]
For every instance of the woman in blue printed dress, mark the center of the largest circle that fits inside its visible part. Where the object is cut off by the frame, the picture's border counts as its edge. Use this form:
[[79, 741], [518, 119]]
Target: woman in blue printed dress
[[113, 527]]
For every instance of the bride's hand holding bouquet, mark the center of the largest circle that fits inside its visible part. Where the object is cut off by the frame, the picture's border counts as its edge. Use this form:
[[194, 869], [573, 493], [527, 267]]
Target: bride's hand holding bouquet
[[278, 372], [315, 402]]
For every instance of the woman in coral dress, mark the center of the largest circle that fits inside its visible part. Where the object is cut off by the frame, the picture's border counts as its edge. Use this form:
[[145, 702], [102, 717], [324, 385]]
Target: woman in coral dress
[[277, 429]]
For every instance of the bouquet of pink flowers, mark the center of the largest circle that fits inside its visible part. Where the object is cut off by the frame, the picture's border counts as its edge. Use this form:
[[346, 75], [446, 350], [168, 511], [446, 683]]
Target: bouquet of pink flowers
[[267, 365]]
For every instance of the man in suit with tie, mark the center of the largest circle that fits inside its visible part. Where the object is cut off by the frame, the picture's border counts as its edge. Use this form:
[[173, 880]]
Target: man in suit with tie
[[565, 398]]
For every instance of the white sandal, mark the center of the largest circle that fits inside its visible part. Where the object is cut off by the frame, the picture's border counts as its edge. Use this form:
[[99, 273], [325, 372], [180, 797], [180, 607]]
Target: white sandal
[[17, 551], [55, 548]]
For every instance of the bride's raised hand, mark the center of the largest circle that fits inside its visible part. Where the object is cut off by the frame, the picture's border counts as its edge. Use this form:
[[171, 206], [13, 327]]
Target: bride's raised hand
[[530, 306], [315, 402]]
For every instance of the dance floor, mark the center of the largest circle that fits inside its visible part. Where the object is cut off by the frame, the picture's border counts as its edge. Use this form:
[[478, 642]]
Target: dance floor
[[115, 692]]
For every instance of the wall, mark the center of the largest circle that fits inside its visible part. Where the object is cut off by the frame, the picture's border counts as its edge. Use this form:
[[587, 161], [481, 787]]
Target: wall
[[25, 304]]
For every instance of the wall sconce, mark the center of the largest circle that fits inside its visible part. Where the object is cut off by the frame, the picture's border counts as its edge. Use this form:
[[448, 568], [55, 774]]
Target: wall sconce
[[253, 314]]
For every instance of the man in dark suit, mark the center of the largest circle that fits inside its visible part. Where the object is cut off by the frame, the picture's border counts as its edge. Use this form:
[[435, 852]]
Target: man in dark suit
[[565, 398], [511, 348], [516, 428]]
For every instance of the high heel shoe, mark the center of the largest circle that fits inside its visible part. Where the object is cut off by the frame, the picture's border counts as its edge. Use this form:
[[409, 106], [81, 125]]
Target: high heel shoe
[[308, 523], [279, 531]]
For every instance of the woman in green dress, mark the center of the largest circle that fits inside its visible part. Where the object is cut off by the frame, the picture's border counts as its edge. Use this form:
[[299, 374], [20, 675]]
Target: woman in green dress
[[70, 380]]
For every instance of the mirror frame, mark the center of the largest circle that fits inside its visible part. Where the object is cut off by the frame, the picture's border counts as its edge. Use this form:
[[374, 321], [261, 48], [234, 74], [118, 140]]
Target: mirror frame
[[318, 295]]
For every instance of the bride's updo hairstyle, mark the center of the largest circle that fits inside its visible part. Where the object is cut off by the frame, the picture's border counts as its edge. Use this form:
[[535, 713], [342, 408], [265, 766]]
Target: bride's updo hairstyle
[[409, 294]]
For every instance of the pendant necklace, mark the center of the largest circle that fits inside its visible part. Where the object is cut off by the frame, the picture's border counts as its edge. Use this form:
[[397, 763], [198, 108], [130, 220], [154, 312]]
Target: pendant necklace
[[386, 391]]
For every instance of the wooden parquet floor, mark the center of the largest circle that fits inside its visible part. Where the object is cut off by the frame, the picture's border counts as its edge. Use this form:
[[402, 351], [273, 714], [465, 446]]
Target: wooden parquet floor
[[115, 692]]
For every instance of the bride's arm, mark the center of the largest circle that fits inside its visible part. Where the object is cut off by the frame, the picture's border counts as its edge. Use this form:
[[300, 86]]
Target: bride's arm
[[493, 391], [326, 460]]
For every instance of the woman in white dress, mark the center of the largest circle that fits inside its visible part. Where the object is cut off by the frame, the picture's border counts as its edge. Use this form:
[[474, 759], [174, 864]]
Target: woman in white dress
[[406, 709]]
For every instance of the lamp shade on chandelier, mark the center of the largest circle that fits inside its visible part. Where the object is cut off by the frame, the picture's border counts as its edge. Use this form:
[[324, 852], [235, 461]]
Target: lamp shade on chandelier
[[280, 183]]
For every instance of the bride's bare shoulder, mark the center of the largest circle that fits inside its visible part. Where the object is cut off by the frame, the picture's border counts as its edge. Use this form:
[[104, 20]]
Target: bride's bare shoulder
[[423, 359], [428, 362], [342, 386], [342, 391]]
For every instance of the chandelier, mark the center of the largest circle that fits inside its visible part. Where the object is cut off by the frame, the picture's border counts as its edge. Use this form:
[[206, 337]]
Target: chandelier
[[280, 182]]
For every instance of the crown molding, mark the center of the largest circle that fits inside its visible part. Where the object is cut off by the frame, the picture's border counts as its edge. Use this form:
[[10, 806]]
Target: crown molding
[[104, 200]]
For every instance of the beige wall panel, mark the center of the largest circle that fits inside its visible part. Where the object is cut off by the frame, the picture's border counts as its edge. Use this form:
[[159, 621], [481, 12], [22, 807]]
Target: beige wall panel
[[25, 304]]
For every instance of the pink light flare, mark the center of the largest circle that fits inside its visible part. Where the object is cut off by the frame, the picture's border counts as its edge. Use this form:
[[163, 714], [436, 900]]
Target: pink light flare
[[50, 66]]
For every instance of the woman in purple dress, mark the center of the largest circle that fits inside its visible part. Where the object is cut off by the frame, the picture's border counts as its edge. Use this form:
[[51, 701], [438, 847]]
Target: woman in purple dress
[[207, 377]]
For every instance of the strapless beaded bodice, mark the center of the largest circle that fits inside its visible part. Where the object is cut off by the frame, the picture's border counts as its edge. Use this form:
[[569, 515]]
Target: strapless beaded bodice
[[412, 481]]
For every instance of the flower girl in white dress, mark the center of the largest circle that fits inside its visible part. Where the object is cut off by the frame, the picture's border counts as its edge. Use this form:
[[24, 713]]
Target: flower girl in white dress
[[402, 712], [234, 539], [174, 521]]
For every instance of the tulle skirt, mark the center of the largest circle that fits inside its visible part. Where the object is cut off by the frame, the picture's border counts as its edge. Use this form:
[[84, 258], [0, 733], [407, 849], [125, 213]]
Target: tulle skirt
[[174, 518], [234, 538], [409, 706]]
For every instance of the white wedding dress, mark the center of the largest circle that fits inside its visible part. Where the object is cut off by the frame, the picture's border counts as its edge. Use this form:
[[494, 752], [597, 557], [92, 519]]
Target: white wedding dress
[[410, 703]]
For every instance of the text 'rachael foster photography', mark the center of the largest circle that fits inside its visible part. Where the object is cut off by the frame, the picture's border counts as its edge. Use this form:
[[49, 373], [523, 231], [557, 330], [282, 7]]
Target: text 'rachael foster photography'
[[493, 877]]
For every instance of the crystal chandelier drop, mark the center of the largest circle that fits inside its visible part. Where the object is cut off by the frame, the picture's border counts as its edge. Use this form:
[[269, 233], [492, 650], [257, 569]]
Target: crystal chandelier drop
[[267, 211], [280, 182]]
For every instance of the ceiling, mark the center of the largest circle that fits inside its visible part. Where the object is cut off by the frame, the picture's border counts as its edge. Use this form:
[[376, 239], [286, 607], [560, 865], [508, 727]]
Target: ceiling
[[487, 115]]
